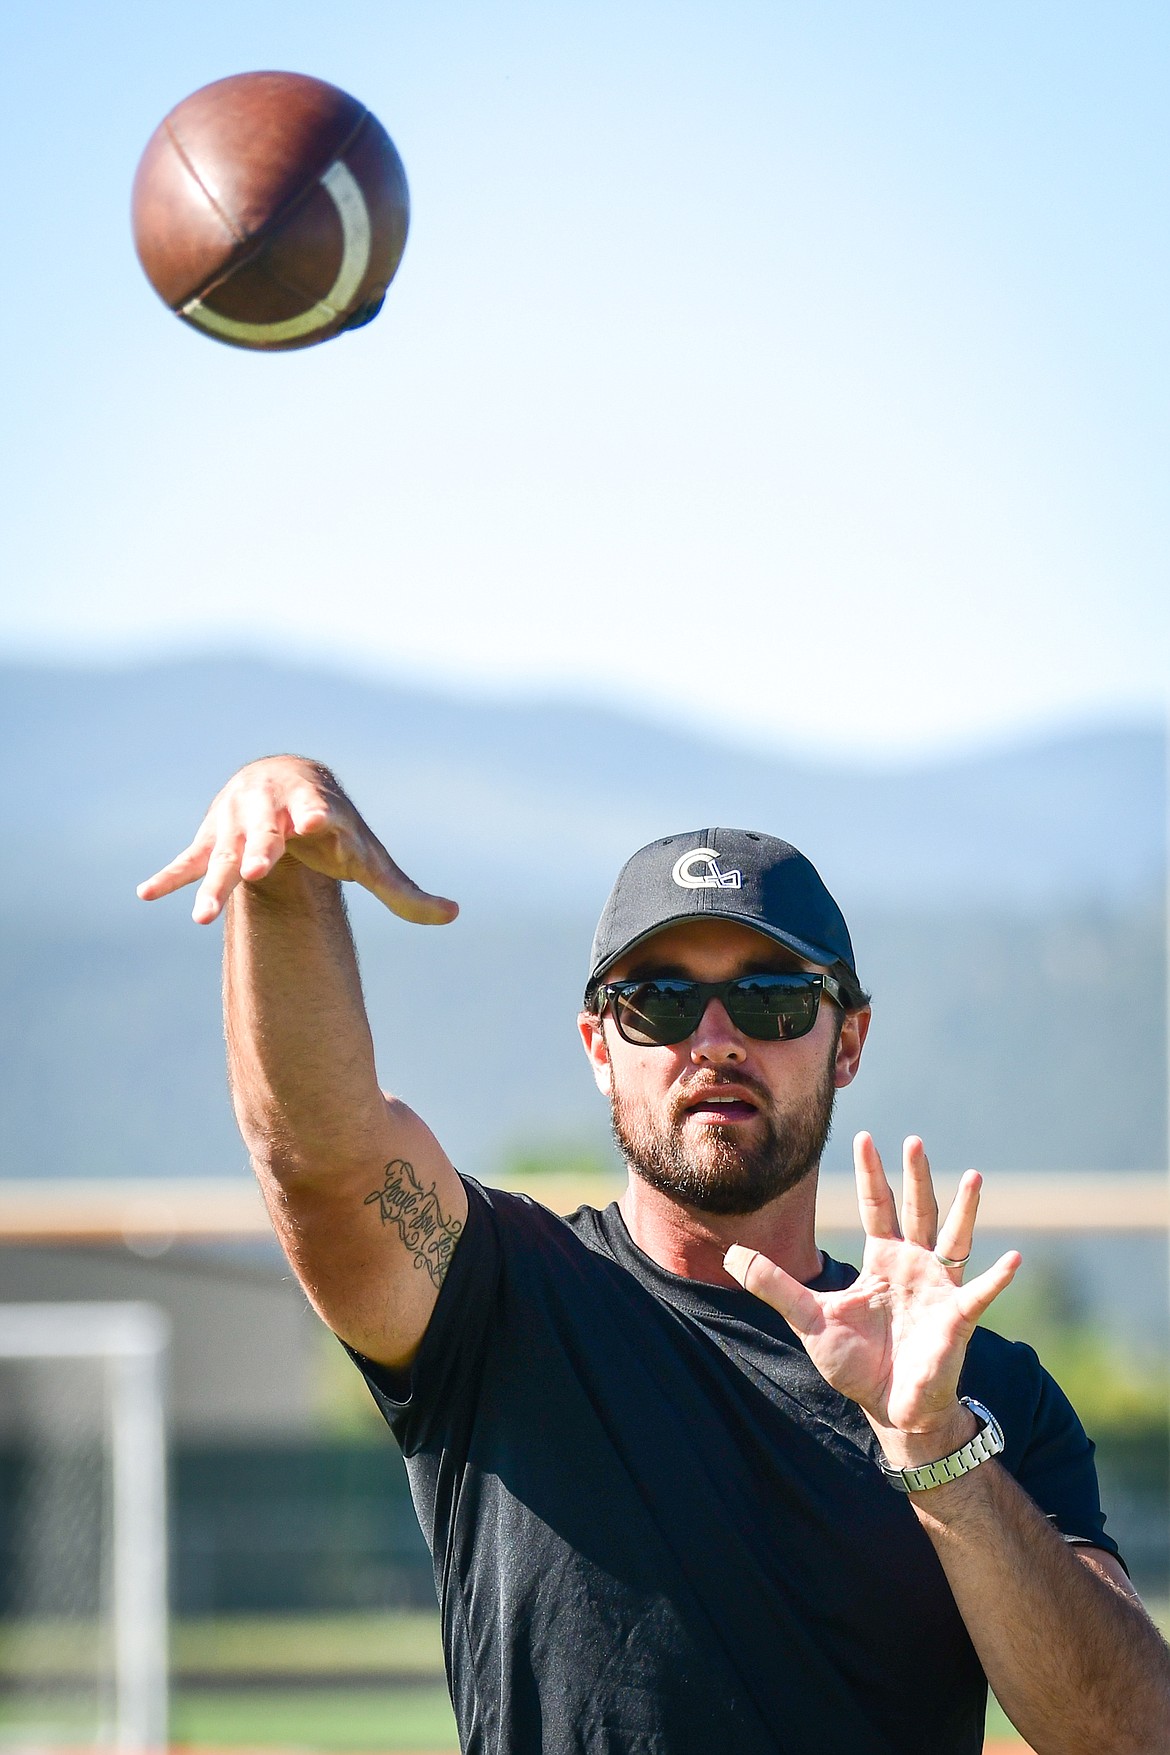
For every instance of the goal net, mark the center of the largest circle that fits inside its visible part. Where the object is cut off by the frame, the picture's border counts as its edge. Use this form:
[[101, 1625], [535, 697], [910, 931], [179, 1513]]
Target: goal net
[[83, 1597]]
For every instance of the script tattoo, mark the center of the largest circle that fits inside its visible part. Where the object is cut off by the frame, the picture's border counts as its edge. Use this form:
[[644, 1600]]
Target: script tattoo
[[415, 1213]]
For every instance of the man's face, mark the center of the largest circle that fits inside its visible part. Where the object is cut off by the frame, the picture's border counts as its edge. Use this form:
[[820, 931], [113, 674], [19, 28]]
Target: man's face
[[722, 1122]]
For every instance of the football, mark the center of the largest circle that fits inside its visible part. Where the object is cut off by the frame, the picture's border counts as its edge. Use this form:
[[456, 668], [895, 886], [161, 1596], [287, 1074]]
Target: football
[[270, 211]]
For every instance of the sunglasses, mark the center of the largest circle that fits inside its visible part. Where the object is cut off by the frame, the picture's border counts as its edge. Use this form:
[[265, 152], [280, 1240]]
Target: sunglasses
[[768, 1007]]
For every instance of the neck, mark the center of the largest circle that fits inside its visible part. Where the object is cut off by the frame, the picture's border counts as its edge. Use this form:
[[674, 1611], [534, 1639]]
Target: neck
[[686, 1241]]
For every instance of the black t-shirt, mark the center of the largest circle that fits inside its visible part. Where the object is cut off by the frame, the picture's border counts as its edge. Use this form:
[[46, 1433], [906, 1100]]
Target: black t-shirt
[[657, 1531]]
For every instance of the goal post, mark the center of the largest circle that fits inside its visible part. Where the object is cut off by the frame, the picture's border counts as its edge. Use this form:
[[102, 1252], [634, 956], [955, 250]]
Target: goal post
[[128, 1345]]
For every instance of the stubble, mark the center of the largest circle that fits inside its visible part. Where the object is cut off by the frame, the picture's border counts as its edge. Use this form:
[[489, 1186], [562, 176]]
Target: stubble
[[723, 1172]]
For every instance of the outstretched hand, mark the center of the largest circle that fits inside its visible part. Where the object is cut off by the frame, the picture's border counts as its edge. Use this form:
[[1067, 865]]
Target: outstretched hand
[[895, 1340], [285, 805]]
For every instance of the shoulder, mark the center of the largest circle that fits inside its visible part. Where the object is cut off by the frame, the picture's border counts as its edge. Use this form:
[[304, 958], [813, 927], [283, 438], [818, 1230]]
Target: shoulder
[[519, 1219], [529, 1241], [1046, 1447], [1009, 1378], [516, 1264], [1014, 1363]]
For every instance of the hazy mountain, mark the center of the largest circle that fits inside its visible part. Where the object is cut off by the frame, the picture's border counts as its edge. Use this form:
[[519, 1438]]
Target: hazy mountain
[[1006, 909], [540, 802]]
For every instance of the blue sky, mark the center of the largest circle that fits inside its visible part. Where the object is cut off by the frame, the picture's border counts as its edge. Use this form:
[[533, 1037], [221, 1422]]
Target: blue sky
[[799, 370]]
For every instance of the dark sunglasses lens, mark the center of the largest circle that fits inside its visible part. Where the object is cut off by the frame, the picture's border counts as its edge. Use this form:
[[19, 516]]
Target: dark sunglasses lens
[[654, 1013], [774, 1007]]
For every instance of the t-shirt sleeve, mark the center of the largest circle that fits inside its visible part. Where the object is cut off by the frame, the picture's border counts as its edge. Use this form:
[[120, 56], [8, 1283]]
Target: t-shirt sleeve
[[1045, 1446], [448, 1362]]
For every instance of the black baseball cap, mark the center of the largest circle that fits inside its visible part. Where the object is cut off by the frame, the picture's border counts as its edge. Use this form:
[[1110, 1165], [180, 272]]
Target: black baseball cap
[[734, 874]]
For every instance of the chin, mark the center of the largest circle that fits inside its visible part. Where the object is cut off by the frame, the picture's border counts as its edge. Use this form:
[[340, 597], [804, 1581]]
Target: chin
[[728, 1169], [708, 1183], [730, 1199]]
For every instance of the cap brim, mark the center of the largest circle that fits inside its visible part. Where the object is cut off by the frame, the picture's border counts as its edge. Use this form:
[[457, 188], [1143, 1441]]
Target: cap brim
[[810, 952]]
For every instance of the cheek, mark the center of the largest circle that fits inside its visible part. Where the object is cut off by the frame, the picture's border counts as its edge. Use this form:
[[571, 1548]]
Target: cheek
[[641, 1077], [803, 1065]]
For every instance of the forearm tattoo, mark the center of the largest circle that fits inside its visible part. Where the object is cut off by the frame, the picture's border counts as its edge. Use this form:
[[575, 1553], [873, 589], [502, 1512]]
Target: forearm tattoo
[[415, 1213]]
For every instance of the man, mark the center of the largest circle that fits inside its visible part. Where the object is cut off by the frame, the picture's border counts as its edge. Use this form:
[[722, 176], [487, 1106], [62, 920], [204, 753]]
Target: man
[[661, 1522]]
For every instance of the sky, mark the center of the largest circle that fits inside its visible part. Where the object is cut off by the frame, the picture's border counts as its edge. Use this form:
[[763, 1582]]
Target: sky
[[793, 370]]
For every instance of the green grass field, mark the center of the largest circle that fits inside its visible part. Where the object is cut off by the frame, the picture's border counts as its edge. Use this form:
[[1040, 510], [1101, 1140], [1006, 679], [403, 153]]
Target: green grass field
[[391, 1645], [410, 1711], [336, 1683], [414, 1718]]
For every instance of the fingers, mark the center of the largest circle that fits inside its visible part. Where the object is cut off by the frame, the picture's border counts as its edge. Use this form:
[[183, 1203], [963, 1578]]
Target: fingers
[[958, 1230], [420, 907], [799, 1307], [875, 1197], [285, 805], [241, 837], [308, 812], [242, 853], [976, 1298], [319, 827], [404, 897], [183, 869], [345, 848], [919, 1206], [264, 844], [919, 1223], [223, 874]]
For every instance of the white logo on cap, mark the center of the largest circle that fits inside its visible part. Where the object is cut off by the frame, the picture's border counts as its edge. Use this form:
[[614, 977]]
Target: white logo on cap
[[713, 877]]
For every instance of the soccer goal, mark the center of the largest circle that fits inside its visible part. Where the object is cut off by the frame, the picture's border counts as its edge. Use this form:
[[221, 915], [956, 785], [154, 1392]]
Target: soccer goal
[[83, 1527]]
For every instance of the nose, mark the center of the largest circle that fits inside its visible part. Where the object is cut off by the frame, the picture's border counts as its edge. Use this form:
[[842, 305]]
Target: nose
[[717, 1041]]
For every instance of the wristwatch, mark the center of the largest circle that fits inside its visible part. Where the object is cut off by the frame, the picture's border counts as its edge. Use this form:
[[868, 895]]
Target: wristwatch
[[987, 1442]]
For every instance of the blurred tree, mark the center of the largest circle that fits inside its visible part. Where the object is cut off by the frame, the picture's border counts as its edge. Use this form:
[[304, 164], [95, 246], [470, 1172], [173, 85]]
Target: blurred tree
[[1115, 1388]]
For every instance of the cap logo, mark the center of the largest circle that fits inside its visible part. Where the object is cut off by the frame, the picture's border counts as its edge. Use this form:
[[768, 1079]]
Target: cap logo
[[700, 870]]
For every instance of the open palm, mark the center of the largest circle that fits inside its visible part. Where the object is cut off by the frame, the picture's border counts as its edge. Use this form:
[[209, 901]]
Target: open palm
[[894, 1341]]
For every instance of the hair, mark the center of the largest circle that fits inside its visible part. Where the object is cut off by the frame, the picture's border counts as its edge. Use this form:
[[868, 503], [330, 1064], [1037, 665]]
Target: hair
[[856, 996]]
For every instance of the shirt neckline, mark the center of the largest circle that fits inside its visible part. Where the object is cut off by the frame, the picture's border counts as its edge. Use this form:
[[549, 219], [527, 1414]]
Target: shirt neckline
[[700, 1296]]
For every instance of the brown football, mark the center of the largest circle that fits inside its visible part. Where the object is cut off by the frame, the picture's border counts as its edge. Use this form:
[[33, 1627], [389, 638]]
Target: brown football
[[270, 210]]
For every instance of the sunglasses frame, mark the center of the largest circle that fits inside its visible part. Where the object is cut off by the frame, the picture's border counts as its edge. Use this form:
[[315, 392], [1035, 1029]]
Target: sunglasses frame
[[794, 980]]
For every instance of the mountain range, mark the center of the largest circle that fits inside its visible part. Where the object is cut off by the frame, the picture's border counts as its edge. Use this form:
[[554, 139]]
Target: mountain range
[[1007, 907]]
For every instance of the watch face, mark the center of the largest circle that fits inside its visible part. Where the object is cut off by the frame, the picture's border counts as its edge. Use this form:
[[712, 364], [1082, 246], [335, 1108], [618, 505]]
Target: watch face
[[992, 1434]]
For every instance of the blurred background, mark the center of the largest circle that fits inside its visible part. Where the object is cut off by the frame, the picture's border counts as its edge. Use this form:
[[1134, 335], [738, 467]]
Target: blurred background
[[767, 425]]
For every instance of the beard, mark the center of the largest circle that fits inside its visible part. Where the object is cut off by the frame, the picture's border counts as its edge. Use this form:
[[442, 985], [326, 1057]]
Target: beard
[[722, 1172]]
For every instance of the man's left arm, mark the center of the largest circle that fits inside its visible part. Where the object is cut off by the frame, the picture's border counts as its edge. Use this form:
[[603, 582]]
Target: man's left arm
[[1066, 1645], [1068, 1649]]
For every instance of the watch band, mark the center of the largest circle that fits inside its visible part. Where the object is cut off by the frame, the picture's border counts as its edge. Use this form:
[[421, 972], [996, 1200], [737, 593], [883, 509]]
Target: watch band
[[987, 1442]]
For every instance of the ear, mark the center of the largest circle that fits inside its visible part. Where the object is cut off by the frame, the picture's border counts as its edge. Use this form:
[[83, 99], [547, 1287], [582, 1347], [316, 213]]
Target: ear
[[593, 1036], [852, 1040]]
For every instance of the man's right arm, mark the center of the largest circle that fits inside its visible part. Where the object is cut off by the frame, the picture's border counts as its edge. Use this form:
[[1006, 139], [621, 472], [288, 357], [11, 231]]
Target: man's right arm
[[363, 1198]]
